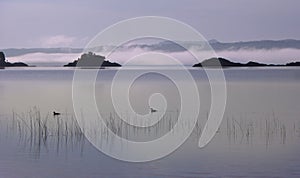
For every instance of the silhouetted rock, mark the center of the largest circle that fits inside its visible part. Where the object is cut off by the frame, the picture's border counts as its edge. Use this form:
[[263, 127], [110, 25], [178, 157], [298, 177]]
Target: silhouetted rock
[[216, 62], [221, 62], [92, 60], [2, 59], [3, 62], [293, 64], [16, 64], [254, 64]]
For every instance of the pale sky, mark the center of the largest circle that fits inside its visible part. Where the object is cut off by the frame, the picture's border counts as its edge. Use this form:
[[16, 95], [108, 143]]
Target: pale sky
[[65, 23]]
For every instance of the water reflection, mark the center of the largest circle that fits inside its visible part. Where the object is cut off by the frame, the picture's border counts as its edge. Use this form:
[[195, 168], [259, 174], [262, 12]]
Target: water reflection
[[259, 135]]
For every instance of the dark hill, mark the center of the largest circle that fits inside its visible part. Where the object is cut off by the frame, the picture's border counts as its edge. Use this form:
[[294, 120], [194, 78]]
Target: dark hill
[[216, 62], [222, 61], [3, 62], [293, 64], [92, 60]]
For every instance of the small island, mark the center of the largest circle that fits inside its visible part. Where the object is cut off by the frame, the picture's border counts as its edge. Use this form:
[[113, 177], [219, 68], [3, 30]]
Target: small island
[[92, 60], [4, 63], [221, 62]]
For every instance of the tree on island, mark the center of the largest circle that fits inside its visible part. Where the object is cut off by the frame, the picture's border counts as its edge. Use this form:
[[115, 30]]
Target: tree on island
[[92, 60]]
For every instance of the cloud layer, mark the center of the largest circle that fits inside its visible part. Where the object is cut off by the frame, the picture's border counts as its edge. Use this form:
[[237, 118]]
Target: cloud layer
[[61, 41], [40, 58]]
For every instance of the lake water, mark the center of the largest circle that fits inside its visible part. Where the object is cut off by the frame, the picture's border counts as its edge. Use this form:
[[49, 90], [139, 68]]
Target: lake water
[[259, 135]]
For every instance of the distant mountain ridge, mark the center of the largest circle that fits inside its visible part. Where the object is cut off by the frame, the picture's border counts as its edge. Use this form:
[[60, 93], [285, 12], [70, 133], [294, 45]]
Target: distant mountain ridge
[[263, 44], [167, 46]]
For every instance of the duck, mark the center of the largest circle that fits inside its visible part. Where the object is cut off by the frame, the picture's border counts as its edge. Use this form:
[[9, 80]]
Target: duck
[[56, 113], [153, 110]]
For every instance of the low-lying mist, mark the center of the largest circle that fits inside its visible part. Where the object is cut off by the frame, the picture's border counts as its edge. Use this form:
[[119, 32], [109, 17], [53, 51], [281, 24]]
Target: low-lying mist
[[272, 56]]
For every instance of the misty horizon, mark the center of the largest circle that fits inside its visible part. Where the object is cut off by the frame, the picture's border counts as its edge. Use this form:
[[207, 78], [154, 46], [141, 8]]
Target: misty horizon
[[265, 51]]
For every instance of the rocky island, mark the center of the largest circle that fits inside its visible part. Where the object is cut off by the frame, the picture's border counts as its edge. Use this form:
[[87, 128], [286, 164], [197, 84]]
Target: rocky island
[[4, 63], [216, 62], [92, 60]]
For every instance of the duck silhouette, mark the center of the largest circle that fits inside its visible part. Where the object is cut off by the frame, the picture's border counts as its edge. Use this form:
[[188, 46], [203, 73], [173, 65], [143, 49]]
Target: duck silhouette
[[153, 110], [56, 113]]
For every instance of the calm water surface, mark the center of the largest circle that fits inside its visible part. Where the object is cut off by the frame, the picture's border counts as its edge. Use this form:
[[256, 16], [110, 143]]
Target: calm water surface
[[259, 135]]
